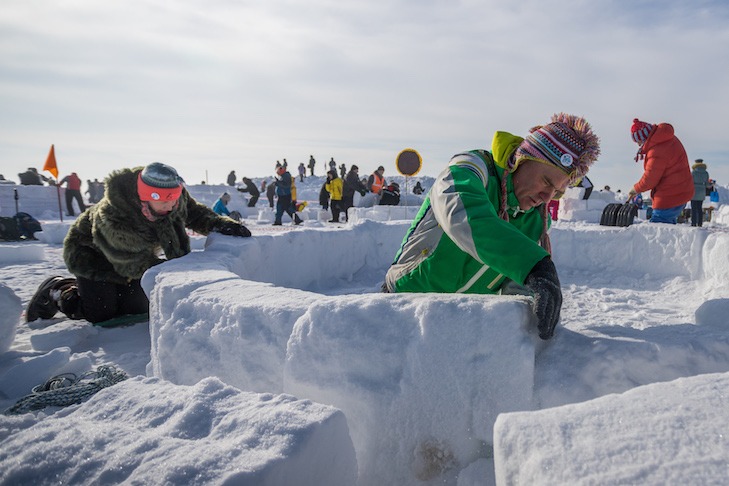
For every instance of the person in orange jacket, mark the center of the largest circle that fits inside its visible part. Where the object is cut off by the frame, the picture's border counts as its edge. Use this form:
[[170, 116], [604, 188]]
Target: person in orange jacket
[[376, 181], [666, 171]]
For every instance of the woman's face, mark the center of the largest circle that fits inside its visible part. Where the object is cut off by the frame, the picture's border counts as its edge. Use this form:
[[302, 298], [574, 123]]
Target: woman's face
[[538, 183]]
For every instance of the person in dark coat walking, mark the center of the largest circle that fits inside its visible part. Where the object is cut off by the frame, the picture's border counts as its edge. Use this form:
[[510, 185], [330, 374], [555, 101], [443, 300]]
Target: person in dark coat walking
[[701, 182], [312, 163], [270, 193], [283, 193], [324, 194], [352, 184], [251, 189]]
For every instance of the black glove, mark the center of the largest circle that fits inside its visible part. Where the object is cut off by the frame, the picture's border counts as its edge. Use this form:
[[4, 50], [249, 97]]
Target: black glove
[[362, 193], [544, 282], [231, 228]]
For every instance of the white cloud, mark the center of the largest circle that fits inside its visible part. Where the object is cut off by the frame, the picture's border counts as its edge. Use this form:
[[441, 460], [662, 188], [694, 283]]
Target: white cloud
[[246, 83]]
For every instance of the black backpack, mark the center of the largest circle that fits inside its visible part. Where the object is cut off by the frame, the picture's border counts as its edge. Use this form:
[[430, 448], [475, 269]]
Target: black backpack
[[27, 225], [9, 229], [19, 227]]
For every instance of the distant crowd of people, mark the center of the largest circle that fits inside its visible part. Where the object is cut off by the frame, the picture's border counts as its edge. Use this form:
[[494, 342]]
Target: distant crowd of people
[[336, 193]]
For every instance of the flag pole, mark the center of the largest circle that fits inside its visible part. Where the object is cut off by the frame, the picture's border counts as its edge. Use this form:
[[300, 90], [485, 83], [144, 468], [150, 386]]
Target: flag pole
[[52, 167], [58, 193]]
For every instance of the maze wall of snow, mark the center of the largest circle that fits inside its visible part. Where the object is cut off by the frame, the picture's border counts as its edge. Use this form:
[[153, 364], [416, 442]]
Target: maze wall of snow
[[299, 312], [377, 357]]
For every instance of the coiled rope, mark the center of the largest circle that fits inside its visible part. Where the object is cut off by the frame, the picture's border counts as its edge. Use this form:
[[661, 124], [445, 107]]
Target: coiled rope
[[68, 389]]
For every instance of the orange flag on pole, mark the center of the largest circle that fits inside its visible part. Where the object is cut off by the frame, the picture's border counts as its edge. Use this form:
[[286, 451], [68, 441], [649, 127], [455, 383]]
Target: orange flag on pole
[[50, 165]]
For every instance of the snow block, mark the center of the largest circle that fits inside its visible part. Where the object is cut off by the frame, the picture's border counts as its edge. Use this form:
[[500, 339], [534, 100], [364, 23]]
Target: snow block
[[216, 434], [573, 208], [715, 258], [26, 372], [21, 252], [650, 435], [385, 213], [649, 249], [9, 317], [244, 344], [379, 358]]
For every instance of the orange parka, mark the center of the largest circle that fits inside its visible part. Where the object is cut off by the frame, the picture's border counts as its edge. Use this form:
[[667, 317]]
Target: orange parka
[[666, 171]]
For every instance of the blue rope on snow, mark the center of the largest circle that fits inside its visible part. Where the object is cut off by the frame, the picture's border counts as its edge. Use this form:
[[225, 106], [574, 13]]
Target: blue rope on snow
[[67, 389]]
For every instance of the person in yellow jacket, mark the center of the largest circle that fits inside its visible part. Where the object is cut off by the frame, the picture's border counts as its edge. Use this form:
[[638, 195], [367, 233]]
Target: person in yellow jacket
[[334, 187]]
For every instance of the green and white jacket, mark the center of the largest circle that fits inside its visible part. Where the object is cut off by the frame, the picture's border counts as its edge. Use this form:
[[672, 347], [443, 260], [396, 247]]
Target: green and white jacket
[[458, 242]]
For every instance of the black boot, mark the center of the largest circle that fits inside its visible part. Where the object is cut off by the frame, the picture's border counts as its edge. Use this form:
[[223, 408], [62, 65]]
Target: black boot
[[69, 301], [41, 305], [297, 220]]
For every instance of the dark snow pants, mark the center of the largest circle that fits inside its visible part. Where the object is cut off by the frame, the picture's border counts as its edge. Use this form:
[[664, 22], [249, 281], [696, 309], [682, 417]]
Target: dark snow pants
[[697, 213], [101, 301]]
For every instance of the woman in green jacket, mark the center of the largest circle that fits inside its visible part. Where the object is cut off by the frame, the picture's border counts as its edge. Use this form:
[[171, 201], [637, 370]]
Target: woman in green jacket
[[484, 223]]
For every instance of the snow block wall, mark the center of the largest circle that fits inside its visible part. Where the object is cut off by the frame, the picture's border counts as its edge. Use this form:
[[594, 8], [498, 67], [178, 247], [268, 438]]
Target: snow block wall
[[379, 359], [216, 433], [660, 250], [294, 328], [41, 202], [343, 350], [604, 441]]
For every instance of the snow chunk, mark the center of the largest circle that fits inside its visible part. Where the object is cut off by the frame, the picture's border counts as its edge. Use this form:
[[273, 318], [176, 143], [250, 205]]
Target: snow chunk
[[215, 433], [9, 317], [665, 433], [713, 313]]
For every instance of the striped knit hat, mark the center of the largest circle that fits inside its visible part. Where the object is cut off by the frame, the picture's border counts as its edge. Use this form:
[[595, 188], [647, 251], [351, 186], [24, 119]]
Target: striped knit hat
[[640, 131], [567, 142]]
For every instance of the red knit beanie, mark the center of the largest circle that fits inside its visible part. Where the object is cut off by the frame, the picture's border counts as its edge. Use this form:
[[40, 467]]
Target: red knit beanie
[[640, 131]]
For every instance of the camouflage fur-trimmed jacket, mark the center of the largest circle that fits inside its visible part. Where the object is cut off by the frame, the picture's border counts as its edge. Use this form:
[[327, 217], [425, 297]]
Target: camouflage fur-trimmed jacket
[[114, 242]]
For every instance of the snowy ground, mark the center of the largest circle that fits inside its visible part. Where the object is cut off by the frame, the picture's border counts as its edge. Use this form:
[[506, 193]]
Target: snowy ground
[[276, 361]]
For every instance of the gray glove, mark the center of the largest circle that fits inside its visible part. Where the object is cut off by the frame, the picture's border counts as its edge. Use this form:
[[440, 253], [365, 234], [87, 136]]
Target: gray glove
[[544, 282]]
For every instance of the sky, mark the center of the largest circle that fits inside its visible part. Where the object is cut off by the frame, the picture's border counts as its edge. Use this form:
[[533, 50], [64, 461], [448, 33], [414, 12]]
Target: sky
[[263, 365], [215, 86]]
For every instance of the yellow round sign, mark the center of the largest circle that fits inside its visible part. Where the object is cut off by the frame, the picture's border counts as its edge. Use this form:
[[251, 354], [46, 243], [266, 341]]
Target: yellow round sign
[[408, 162]]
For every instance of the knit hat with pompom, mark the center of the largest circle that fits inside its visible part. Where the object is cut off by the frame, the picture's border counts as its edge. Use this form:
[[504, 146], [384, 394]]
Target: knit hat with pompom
[[567, 142], [640, 131]]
